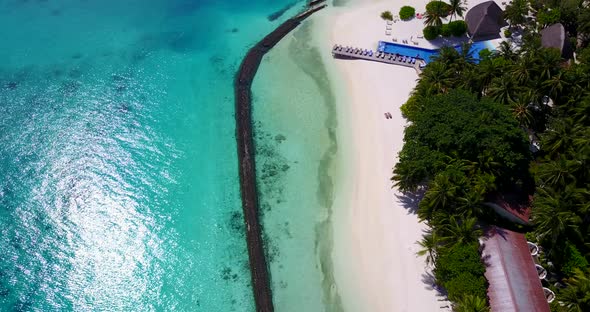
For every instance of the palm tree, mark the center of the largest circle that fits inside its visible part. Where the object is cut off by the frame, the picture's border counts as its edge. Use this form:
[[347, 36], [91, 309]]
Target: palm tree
[[559, 136], [503, 89], [580, 112], [430, 244], [548, 62], [559, 172], [441, 192], [471, 303], [555, 85], [448, 56], [553, 217], [516, 12], [456, 7], [520, 110], [433, 19], [505, 50], [488, 70], [576, 296], [522, 70], [471, 204], [461, 230], [435, 11], [437, 78]]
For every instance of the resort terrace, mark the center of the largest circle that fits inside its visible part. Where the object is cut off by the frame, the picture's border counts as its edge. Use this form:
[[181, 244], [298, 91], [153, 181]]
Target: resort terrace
[[405, 38]]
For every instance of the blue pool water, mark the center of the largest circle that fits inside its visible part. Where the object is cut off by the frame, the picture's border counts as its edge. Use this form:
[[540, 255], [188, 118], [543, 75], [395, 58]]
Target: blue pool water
[[427, 54]]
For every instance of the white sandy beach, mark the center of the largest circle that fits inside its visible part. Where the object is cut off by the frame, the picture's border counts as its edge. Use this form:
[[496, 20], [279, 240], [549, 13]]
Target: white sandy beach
[[375, 230], [375, 262]]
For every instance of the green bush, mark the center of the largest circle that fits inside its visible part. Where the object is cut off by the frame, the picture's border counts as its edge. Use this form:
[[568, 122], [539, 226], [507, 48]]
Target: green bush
[[445, 30], [387, 16], [458, 28], [411, 107], [573, 259], [507, 33], [549, 17], [466, 284], [486, 54], [460, 271], [431, 32], [439, 8], [462, 258], [407, 13]]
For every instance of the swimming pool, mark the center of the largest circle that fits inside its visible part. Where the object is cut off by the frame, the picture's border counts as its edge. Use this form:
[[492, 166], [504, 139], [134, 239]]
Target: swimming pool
[[426, 54]]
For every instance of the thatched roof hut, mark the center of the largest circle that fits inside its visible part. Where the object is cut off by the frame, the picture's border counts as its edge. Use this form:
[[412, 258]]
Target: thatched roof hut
[[554, 36], [484, 21]]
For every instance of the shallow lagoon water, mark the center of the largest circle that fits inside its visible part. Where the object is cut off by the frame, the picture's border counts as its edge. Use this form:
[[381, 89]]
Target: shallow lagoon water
[[294, 111], [119, 186]]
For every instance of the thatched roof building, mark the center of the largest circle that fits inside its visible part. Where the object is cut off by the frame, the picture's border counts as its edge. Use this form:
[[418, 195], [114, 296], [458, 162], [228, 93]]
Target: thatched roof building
[[484, 21], [554, 36]]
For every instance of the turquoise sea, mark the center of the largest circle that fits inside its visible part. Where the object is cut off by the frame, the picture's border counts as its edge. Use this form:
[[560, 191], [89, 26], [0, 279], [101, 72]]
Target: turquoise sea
[[118, 172]]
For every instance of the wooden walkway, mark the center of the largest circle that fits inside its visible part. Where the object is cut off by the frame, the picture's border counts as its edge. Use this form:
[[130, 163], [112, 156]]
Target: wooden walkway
[[346, 52]]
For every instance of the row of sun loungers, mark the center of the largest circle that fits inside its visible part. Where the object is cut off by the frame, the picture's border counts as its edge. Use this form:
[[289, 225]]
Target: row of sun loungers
[[396, 57], [378, 56], [355, 51]]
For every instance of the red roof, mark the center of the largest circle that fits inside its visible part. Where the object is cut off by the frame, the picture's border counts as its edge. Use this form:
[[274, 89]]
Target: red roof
[[516, 206], [510, 270]]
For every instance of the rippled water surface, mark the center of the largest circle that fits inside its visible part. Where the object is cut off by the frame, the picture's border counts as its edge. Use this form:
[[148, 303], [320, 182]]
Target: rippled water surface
[[119, 186]]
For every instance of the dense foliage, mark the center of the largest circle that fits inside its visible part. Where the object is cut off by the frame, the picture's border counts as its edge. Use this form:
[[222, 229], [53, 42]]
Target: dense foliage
[[433, 19], [445, 31], [481, 133], [407, 13], [467, 141], [386, 15], [435, 12], [438, 7], [431, 32], [458, 28], [456, 8], [460, 271]]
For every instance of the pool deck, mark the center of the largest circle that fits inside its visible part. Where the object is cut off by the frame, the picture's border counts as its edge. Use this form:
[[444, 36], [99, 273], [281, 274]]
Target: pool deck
[[339, 51]]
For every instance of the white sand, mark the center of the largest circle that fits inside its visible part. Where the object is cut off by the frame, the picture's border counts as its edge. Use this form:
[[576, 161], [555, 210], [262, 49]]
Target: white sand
[[375, 262], [374, 256]]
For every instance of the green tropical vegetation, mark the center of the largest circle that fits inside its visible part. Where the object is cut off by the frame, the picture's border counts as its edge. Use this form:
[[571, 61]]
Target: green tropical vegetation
[[445, 31], [386, 15], [457, 28], [470, 303], [472, 134], [433, 19], [431, 32], [407, 13], [456, 8], [435, 11]]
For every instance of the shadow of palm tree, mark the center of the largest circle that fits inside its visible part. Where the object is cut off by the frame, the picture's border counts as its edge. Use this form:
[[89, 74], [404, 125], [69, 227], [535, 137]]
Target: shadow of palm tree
[[410, 200], [430, 282]]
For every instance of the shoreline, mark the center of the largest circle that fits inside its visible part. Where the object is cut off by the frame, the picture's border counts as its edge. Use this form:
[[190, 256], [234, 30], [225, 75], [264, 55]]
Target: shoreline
[[374, 230]]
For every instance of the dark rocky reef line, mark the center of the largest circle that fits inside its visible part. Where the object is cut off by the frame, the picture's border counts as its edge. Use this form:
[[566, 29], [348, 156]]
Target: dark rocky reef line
[[280, 12], [246, 158]]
